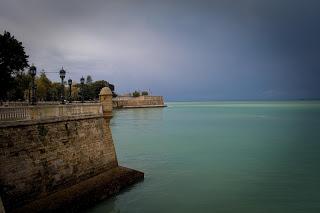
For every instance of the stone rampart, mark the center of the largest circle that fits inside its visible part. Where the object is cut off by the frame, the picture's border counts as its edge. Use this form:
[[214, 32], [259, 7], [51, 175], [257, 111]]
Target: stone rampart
[[45, 150], [138, 102]]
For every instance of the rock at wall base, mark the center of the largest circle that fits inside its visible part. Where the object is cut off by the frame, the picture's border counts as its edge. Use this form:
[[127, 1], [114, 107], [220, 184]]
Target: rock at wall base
[[86, 193], [1, 206]]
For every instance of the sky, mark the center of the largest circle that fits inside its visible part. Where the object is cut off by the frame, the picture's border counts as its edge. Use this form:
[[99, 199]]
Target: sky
[[183, 50]]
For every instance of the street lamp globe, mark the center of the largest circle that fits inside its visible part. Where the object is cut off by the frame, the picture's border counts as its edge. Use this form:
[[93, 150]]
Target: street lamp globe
[[33, 70], [82, 80], [62, 73], [70, 84]]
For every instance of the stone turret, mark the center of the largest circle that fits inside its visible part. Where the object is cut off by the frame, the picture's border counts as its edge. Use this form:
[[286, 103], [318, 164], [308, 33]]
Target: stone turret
[[105, 98]]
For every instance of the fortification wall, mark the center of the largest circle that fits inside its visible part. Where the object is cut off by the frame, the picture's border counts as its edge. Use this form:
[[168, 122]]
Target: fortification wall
[[45, 149], [136, 102], [38, 159]]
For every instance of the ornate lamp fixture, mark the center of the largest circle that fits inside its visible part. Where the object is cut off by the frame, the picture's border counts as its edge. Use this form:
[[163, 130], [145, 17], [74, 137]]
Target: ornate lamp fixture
[[62, 73], [33, 73], [70, 84], [82, 90]]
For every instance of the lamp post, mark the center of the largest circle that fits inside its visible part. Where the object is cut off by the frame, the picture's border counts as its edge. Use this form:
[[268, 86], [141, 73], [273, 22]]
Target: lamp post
[[70, 83], [33, 72], [82, 92], [62, 76]]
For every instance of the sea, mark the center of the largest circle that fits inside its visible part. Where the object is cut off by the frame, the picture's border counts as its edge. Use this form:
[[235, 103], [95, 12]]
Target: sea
[[228, 157]]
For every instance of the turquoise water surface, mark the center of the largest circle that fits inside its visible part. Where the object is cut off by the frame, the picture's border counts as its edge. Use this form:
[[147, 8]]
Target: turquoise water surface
[[220, 157]]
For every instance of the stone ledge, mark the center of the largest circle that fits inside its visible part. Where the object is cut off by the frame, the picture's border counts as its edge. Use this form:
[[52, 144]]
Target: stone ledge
[[141, 106], [85, 193], [5, 124]]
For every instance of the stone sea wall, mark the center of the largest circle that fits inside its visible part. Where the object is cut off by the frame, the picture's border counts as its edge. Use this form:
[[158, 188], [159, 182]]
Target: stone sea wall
[[48, 149], [138, 102]]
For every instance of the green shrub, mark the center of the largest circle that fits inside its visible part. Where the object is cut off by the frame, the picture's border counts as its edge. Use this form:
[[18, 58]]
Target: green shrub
[[136, 94], [144, 93]]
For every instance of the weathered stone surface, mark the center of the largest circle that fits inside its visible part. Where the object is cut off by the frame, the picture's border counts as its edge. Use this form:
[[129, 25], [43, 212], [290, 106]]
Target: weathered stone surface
[[138, 102], [85, 193], [39, 158], [36, 160], [1, 206]]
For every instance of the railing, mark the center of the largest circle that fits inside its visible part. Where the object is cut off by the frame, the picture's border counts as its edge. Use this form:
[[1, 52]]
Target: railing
[[40, 112], [14, 113], [26, 103]]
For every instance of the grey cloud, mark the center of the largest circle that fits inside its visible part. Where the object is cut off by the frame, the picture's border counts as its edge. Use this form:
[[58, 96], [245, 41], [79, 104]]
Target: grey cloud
[[181, 49]]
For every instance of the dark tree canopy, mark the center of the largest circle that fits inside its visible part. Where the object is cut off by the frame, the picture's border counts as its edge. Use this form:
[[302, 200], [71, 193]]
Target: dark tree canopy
[[21, 84], [89, 79], [91, 90], [144, 93], [13, 60], [111, 86], [97, 86], [43, 87], [136, 94]]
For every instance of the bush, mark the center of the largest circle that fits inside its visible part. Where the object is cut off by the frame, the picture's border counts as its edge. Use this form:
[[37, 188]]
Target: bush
[[136, 94], [144, 93]]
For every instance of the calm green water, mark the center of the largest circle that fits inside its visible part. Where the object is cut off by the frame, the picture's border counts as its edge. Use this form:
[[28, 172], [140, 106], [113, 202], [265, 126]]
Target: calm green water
[[220, 157]]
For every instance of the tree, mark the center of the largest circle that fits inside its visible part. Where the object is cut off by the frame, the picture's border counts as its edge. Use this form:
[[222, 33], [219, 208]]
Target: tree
[[43, 86], [13, 60], [21, 90], [144, 93], [55, 91], [75, 92], [136, 94], [91, 90], [97, 86], [89, 79], [111, 87]]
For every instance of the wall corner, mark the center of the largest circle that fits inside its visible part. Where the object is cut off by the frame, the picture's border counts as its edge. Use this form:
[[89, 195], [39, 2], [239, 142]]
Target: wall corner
[[105, 98]]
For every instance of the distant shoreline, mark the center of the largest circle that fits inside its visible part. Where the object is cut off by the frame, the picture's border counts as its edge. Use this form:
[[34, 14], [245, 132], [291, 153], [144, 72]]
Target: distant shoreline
[[248, 100]]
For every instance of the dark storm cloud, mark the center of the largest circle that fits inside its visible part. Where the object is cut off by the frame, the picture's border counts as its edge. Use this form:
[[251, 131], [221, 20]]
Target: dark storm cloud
[[244, 49]]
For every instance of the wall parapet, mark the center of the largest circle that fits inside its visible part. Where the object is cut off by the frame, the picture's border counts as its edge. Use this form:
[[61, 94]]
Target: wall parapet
[[42, 112], [137, 102]]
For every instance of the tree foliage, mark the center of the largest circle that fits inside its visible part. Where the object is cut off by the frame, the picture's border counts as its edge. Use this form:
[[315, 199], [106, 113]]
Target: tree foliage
[[144, 93], [91, 91], [89, 79], [21, 90], [54, 91], [13, 60], [136, 94], [43, 88]]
